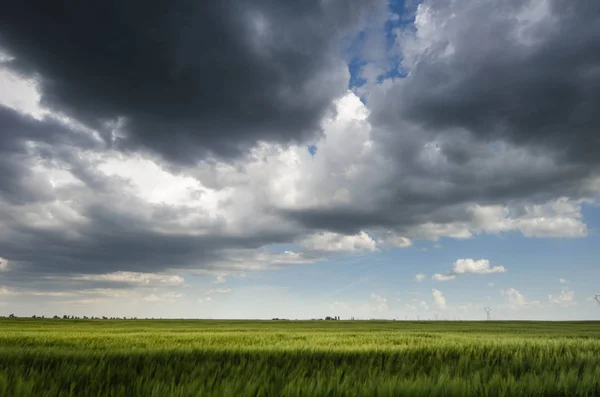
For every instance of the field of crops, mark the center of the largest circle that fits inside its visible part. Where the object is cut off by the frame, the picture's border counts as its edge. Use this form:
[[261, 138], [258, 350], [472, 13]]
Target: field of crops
[[313, 358]]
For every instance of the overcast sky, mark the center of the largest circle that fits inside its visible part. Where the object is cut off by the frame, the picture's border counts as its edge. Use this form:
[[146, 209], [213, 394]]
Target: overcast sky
[[298, 159]]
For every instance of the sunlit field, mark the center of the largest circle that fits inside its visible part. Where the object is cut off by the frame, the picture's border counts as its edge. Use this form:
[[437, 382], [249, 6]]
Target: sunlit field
[[304, 358]]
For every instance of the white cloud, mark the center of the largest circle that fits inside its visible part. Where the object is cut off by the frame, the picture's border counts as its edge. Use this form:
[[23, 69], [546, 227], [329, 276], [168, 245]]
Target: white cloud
[[443, 277], [133, 278], [400, 242], [469, 266], [490, 284], [4, 291], [556, 218], [439, 300], [516, 300], [219, 291], [393, 240], [420, 277], [48, 293], [334, 242], [563, 281], [3, 264], [566, 298], [514, 297], [205, 300], [20, 94]]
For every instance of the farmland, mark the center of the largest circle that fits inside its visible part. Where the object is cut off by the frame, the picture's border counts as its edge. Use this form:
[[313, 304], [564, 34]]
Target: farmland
[[41, 357]]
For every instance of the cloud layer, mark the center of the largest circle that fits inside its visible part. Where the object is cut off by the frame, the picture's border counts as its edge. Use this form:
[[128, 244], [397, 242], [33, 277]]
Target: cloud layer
[[149, 148]]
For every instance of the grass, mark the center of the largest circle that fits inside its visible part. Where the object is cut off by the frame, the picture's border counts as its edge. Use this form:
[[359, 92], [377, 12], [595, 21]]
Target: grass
[[313, 358]]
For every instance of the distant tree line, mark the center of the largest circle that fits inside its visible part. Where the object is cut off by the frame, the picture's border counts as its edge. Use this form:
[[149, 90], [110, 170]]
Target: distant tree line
[[68, 317]]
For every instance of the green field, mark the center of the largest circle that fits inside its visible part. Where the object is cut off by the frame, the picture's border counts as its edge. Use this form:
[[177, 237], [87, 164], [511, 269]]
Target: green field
[[311, 358]]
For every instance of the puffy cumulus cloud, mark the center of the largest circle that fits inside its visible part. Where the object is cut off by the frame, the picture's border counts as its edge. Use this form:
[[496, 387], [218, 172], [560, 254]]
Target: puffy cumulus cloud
[[334, 242], [515, 300], [420, 277], [481, 266], [392, 240], [439, 299], [557, 218], [271, 75], [565, 298], [469, 266], [563, 280], [443, 277]]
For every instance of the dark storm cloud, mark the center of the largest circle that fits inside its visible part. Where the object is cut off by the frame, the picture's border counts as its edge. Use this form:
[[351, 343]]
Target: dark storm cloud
[[504, 97], [187, 77], [490, 72]]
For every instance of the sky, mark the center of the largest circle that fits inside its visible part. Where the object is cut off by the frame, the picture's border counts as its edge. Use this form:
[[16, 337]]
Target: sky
[[259, 159]]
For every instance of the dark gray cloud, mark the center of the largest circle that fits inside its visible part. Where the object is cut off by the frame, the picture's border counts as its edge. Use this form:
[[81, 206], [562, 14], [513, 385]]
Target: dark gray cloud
[[187, 77], [499, 107], [523, 71]]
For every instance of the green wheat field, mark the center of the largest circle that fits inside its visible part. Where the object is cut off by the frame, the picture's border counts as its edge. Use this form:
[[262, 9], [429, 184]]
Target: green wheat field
[[297, 358]]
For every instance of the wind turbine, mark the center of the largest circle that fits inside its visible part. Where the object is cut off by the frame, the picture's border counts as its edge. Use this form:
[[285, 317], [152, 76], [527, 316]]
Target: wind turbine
[[597, 298], [488, 311]]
